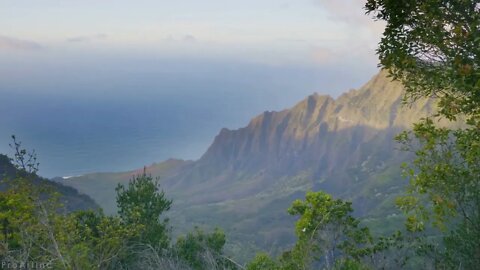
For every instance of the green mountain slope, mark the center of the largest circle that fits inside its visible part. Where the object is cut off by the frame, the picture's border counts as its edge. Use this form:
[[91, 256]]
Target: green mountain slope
[[71, 198], [101, 186], [248, 177]]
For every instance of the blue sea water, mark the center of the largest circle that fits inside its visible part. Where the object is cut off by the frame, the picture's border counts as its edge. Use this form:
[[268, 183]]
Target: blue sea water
[[107, 117]]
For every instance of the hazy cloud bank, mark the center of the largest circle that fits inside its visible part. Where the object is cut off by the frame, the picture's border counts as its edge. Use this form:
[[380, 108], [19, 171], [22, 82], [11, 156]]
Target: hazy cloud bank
[[363, 33], [80, 39], [10, 43]]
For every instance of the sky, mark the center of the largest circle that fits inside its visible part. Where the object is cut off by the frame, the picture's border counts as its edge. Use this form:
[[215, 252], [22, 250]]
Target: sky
[[74, 72], [275, 32]]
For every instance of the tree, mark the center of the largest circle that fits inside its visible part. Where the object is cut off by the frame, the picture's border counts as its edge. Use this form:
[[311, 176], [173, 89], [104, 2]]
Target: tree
[[35, 227], [263, 262], [433, 48], [445, 188], [142, 204], [28, 209], [203, 250], [326, 231], [97, 241], [25, 161]]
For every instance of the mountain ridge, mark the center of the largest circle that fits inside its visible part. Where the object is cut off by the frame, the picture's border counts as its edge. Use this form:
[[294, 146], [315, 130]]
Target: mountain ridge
[[249, 176], [289, 141]]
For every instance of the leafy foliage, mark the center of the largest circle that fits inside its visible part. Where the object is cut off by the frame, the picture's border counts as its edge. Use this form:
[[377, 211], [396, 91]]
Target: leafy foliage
[[204, 251], [262, 261], [25, 162], [23, 168], [445, 188], [35, 227], [142, 204], [432, 47], [324, 224], [103, 242], [330, 238]]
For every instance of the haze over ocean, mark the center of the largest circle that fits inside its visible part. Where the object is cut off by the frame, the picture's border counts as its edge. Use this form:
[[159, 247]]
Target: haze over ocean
[[94, 117], [94, 86]]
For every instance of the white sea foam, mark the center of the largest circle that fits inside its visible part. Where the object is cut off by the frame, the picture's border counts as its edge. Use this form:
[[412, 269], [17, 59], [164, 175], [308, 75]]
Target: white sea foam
[[68, 177]]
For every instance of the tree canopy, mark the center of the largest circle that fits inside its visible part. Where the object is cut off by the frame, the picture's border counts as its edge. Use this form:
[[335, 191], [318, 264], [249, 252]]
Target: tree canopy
[[433, 47], [142, 203]]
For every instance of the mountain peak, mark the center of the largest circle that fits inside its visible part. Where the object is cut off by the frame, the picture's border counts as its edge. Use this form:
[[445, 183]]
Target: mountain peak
[[275, 137]]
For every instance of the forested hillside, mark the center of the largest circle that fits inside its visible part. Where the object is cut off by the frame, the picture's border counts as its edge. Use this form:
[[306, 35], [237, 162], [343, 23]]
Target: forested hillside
[[70, 197]]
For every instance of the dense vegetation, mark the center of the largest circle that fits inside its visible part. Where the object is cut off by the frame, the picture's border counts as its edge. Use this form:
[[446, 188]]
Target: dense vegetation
[[431, 46], [69, 196], [39, 232], [37, 229]]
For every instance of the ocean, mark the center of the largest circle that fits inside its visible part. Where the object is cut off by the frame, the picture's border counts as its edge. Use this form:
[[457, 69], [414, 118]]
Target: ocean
[[108, 118], [78, 136]]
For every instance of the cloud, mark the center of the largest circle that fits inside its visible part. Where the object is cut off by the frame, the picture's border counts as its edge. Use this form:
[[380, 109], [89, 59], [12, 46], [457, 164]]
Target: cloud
[[80, 39], [359, 53], [324, 55], [363, 33], [345, 10], [351, 12], [189, 39], [9, 43]]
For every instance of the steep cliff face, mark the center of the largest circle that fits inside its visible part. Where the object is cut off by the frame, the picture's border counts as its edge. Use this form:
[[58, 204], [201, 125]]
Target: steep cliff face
[[321, 138], [277, 138]]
